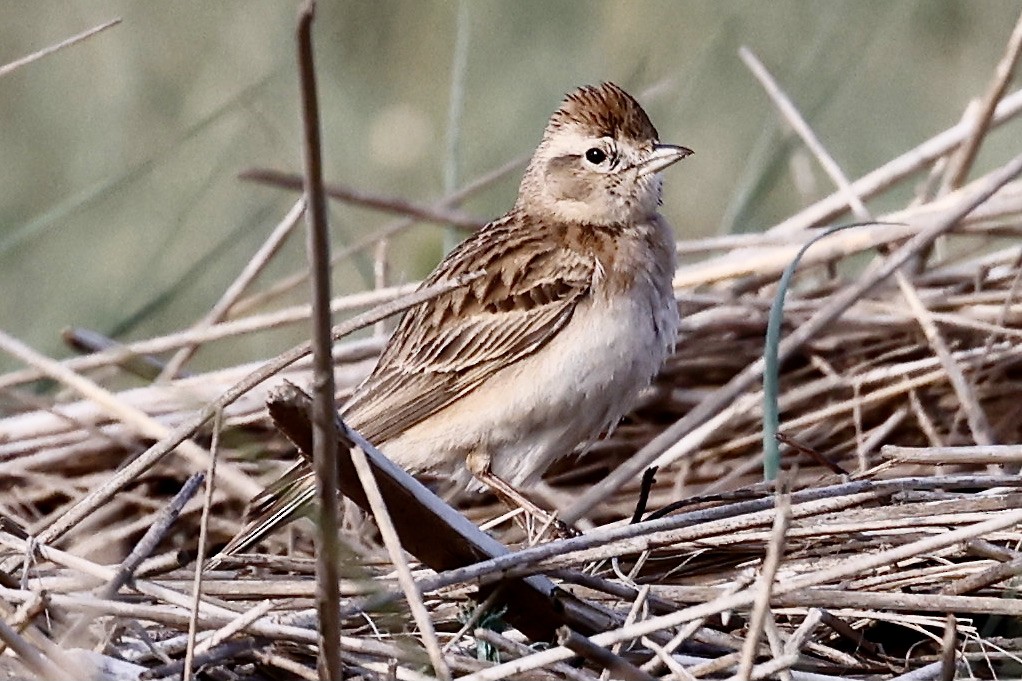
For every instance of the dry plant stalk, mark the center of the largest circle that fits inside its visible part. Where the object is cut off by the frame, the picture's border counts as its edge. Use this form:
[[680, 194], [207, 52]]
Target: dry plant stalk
[[903, 437]]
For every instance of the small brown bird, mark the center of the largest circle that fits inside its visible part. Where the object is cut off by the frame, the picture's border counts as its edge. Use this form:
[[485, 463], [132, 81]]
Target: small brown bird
[[574, 315]]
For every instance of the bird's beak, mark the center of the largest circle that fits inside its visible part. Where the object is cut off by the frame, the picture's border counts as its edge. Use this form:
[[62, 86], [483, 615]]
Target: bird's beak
[[663, 155]]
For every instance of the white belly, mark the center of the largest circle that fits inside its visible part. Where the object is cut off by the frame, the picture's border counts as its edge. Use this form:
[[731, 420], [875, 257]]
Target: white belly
[[543, 407]]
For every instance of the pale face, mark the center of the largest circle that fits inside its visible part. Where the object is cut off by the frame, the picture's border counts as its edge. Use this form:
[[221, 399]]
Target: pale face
[[579, 177]]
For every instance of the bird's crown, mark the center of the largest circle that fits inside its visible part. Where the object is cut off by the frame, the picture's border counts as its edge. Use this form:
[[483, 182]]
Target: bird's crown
[[606, 111]]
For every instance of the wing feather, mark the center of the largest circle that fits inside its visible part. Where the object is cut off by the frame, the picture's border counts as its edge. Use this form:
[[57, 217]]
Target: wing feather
[[445, 348]]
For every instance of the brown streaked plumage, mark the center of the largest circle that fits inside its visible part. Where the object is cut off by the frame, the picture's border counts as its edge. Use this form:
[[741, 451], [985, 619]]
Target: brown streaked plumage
[[575, 314]]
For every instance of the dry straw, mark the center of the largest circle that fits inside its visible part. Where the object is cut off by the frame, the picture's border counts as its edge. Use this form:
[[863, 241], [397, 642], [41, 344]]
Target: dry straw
[[901, 437]]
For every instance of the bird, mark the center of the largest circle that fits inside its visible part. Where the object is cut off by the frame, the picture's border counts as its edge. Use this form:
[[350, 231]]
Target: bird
[[490, 383]]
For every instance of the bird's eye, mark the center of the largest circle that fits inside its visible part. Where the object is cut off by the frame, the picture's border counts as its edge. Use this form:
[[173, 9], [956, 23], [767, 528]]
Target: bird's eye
[[596, 156]]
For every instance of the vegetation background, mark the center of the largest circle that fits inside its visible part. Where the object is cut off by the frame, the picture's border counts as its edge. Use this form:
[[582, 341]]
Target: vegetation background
[[120, 209]]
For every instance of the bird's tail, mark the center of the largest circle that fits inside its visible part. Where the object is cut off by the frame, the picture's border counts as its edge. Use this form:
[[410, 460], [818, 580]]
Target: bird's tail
[[287, 499]]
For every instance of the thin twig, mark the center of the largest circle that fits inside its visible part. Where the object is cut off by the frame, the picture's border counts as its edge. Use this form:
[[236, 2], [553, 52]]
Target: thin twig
[[633, 614], [200, 554], [963, 159], [357, 197], [175, 670], [324, 430], [695, 525], [286, 664], [804, 631], [381, 275], [665, 658], [10, 67], [979, 454], [760, 606], [949, 647], [153, 536], [601, 657], [979, 425], [686, 632], [404, 574], [238, 625], [776, 641]]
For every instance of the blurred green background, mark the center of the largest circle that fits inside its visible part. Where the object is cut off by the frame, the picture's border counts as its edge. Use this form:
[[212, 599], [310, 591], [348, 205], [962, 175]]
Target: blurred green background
[[120, 209]]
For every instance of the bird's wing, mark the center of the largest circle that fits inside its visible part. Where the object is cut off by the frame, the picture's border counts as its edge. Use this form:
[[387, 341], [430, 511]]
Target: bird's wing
[[445, 348]]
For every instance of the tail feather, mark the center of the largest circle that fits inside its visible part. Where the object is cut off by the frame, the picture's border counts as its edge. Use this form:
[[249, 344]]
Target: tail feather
[[289, 498]]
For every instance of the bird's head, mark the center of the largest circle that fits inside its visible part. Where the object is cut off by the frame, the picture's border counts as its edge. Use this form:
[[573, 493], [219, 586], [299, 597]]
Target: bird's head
[[599, 161]]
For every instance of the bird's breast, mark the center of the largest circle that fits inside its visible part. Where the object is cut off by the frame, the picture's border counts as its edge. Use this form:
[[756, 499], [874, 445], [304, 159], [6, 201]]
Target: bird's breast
[[582, 382], [577, 384]]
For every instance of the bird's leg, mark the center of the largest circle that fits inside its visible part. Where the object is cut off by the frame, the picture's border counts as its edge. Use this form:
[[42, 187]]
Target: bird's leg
[[478, 464]]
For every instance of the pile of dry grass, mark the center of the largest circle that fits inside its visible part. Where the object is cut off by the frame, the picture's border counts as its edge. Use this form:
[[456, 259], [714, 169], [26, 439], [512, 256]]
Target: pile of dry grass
[[889, 548]]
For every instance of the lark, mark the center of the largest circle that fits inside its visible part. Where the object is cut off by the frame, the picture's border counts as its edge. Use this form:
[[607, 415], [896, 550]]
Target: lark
[[489, 384]]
